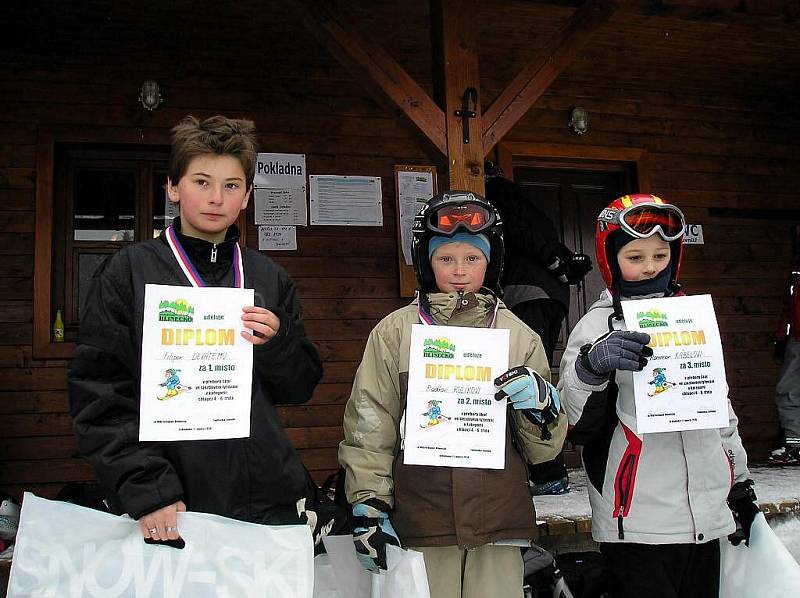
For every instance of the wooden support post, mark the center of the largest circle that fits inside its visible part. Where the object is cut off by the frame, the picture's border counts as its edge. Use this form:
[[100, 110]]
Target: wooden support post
[[455, 37]]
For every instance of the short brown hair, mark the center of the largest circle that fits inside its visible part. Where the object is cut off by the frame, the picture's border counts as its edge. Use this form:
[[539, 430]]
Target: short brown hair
[[215, 135]]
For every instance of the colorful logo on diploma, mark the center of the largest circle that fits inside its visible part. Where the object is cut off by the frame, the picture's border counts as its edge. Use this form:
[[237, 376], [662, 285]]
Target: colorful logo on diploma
[[652, 319], [441, 348], [172, 385], [659, 382], [433, 416], [178, 310]]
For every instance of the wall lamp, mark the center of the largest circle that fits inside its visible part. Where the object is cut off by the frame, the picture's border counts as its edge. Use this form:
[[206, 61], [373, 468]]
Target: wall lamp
[[579, 120], [150, 95]]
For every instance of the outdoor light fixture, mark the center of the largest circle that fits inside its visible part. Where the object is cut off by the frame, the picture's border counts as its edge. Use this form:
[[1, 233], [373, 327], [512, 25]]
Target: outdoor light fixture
[[579, 120], [150, 95]]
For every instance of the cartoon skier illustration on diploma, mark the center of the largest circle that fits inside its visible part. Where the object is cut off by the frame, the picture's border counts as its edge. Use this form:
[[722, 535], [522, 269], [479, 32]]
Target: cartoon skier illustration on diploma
[[660, 382], [173, 384], [434, 414]]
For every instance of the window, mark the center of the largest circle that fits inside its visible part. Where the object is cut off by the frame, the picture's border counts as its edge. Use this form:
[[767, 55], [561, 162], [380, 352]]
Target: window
[[96, 191], [105, 198]]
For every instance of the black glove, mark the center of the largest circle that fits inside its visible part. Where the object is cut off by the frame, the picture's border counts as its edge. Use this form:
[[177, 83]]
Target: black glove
[[372, 531], [742, 502], [578, 266], [617, 350]]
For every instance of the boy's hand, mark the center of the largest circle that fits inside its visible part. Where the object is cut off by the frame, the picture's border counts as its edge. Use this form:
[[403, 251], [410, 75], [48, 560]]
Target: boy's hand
[[528, 391], [617, 350], [262, 322], [163, 523], [372, 532]]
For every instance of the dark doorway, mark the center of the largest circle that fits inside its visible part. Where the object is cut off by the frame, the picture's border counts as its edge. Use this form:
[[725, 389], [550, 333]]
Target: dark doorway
[[572, 199]]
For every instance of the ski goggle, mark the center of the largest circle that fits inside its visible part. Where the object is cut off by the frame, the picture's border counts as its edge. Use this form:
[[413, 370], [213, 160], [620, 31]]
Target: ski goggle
[[644, 220], [469, 216]]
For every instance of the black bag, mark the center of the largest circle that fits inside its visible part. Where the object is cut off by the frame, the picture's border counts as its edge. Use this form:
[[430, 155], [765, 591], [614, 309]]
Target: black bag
[[332, 518], [585, 574], [83, 494]]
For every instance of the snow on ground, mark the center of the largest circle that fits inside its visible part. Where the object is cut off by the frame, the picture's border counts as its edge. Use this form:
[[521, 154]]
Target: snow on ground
[[789, 533], [772, 484]]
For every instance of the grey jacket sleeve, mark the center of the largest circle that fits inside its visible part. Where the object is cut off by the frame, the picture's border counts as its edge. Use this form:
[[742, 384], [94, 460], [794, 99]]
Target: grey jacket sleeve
[[586, 405], [732, 444]]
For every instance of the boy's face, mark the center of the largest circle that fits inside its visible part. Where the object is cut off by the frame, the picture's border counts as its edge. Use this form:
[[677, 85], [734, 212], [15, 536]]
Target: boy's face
[[211, 194], [458, 267], [642, 259]]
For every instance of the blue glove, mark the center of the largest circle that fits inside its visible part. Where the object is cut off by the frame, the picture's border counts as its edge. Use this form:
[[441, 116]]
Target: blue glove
[[616, 350], [372, 531], [528, 392]]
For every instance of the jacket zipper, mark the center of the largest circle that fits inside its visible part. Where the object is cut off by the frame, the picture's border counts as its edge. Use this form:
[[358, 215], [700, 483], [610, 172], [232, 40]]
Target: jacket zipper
[[214, 254], [624, 488]]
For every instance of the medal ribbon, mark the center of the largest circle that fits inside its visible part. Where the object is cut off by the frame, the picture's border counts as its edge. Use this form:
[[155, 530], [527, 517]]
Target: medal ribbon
[[188, 267]]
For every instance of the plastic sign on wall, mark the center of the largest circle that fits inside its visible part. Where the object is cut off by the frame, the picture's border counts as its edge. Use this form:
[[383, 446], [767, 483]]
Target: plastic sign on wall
[[693, 234]]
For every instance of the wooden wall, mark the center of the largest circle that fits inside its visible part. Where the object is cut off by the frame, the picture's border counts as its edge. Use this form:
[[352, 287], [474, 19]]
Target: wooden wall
[[719, 129]]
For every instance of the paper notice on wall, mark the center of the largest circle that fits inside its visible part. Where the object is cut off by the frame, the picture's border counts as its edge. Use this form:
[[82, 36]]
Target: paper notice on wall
[[281, 206], [414, 189], [277, 238], [345, 200]]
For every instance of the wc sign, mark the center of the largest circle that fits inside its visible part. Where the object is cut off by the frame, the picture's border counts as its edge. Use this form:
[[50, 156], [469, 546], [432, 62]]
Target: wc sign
[[693, 234]]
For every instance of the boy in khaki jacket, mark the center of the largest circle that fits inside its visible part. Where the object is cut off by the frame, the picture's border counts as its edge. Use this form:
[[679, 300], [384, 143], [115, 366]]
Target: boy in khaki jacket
[[453, 515]]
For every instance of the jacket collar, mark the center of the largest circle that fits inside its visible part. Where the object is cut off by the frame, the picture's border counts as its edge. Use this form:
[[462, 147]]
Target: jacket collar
[[451, 309], [201, 253]]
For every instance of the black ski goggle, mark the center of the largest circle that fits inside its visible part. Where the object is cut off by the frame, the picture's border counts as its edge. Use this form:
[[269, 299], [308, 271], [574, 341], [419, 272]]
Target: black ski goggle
[[469, 216]]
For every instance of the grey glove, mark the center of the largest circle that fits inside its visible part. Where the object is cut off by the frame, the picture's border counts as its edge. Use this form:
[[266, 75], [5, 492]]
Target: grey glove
[[616, 350]]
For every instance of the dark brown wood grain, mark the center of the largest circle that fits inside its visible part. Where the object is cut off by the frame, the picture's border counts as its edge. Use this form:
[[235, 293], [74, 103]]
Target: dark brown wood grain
[[701, 94]]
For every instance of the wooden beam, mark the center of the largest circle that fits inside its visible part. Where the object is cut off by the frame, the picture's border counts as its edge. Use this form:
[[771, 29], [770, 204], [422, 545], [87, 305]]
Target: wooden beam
[[454, 39], [534, 79], [758, 13], [721, 11], [372, 67]]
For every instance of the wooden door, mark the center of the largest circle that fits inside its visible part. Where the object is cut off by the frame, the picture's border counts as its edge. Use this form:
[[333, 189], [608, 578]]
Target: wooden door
[[572, 199]]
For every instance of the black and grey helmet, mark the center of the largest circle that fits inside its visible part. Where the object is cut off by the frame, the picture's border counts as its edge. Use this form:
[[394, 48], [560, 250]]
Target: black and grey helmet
[[447, 214]]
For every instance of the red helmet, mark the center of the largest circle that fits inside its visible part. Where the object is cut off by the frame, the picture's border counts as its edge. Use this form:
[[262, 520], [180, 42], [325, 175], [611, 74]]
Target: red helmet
[[641, 216]]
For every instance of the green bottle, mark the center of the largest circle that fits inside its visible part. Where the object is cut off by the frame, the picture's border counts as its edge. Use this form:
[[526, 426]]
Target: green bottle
[[58, 328]]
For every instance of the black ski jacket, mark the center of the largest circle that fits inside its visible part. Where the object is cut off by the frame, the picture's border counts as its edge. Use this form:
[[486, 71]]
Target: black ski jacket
[[256, 479], [532, 244]]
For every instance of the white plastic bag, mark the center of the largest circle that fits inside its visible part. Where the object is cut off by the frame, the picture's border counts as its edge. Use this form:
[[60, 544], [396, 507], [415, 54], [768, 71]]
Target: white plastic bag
[[765, 569], [64, 550], [339, 574]]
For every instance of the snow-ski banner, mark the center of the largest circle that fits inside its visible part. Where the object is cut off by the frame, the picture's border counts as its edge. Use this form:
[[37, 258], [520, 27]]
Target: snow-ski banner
[[451, 417], [683, 385], [196, 367]]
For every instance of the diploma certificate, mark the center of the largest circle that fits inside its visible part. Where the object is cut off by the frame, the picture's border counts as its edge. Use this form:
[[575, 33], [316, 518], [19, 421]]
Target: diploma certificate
[[196, 367], [683, 385], [452, 418]]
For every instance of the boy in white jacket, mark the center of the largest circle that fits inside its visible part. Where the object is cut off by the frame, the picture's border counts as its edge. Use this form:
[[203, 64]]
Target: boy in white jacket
[[658, 500]]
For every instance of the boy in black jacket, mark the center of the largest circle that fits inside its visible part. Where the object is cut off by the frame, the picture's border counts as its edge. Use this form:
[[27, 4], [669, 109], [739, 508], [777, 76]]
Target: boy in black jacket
[[258, 478]]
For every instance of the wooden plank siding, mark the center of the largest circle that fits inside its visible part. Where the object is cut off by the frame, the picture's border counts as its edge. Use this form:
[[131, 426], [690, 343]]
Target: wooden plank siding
[[712, 102]]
